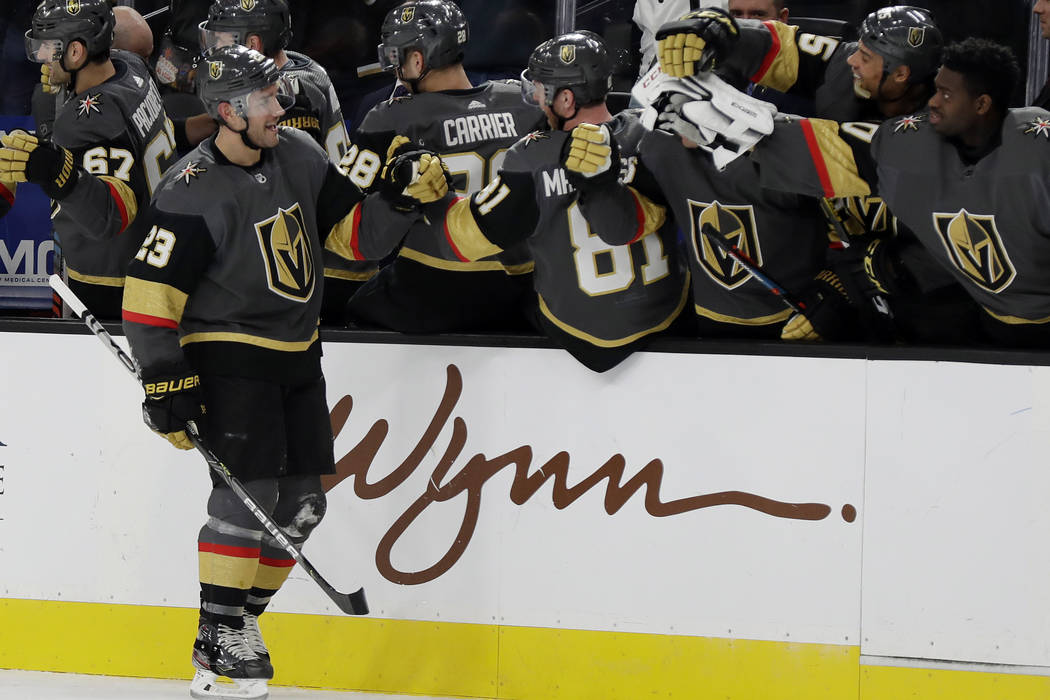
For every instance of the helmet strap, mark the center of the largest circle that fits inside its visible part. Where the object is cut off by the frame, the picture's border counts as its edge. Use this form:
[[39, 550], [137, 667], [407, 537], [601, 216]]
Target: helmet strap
[[413, 83]]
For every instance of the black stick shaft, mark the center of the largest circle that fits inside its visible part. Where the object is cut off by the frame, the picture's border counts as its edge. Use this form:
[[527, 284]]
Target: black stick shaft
[[752, 267], [350, 603]]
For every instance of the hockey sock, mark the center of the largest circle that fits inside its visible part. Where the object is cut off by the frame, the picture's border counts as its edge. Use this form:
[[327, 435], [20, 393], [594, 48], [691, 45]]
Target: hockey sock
[[228, 550], [301, 505]]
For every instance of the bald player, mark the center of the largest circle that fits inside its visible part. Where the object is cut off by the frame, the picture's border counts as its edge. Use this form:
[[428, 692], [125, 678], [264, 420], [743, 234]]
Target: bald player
[[132, 33]]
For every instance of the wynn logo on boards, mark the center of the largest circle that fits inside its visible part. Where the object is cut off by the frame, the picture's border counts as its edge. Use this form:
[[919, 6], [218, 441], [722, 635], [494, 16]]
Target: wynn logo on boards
[[444, 486]]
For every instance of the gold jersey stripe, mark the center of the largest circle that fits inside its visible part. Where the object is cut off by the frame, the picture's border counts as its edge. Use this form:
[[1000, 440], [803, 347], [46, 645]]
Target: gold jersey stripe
[[352, 275], [258, 341], [521, 269], [223, 570], [465, 233], [1016, 320], [340, 239], [453, 265], [154, 299], [601, 342], [94, 279], [760, 321], [838, 160], [128, 203], [782, 73], [653, 215]]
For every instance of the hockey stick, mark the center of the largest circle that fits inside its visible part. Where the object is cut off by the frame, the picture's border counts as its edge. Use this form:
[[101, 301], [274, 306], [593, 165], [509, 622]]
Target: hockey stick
[[350, 603], [752, 267]]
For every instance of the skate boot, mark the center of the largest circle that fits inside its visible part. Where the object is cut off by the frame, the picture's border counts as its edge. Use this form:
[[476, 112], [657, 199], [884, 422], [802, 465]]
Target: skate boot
[[221, 651], [253, 636]]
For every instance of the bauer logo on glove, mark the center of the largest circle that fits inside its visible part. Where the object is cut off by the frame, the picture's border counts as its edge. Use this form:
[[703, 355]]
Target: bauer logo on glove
[[25, 159]]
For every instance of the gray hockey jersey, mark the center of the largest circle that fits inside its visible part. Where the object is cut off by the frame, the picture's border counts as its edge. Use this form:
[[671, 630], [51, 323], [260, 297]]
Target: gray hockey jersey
[[120, 133], [782, 232], [228, 279], [606, 295]]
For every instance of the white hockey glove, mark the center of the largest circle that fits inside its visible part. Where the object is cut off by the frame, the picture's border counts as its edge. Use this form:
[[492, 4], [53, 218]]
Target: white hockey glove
[[707, 111]]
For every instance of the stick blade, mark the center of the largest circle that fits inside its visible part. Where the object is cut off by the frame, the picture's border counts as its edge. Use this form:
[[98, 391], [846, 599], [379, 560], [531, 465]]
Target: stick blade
[[351, 603]]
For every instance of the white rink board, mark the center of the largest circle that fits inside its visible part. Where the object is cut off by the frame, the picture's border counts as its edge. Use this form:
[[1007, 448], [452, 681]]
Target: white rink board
[[956, 563], [95, 508]]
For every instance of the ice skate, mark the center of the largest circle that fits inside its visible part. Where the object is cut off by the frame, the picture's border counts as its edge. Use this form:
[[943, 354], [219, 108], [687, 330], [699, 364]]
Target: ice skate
[[253, 636], [226, 666]]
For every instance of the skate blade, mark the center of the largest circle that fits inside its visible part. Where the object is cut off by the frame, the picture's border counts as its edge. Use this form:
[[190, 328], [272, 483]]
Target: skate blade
[[206, 685]]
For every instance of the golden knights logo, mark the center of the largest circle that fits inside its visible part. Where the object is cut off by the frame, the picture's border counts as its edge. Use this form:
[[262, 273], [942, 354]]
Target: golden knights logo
[[73, 7], [916, 35], [736, 223], [408, 13], [568, 54], [214, 69], [975, 247], [286, 250], [247, 5]]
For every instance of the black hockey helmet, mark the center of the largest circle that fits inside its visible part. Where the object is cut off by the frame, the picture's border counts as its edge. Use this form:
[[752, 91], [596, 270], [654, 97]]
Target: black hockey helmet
[[235, 74], [577, 61], [233, 21], [904, 36], [57, 23], [435, 28]]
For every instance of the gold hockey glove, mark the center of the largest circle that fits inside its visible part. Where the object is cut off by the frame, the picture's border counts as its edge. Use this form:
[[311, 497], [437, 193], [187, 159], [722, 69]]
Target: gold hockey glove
[[171, 402], [590, 156], [49, 87], [413, 176], [25, 159], [829, 314], [696, 43]]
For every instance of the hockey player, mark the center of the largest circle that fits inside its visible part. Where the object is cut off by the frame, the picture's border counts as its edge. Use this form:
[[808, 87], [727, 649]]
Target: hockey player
[[781, 231], [111, 143], [600, 302], [887, 72], [425, 289], [969, 178], [221, 310], [266, 26]]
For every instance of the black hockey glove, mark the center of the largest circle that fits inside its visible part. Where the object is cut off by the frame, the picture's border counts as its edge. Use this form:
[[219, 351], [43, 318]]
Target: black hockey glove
[[171, 402], [591, 157], [23, 158], [829, 314], [697, 42], [413, 176]]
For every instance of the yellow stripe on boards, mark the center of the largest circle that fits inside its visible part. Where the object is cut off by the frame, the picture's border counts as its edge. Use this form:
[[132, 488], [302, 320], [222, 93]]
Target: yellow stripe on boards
[[893, 683], [482, 661], [549, 664]]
